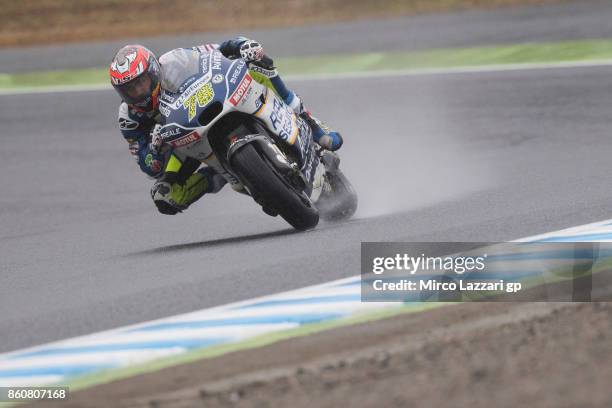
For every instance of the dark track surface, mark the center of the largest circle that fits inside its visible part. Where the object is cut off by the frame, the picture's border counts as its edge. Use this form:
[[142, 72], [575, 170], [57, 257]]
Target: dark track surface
[[477, 157], [567, 21]]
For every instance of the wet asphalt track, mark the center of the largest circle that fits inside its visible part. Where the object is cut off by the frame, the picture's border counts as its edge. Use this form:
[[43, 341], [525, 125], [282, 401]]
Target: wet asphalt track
[[477, 157]]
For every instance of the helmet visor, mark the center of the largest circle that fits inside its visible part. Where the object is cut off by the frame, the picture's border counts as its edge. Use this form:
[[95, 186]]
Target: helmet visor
[[136, 90]]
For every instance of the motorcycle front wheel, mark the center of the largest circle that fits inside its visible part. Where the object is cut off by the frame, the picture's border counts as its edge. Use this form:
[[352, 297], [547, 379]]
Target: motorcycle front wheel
[[271, 190]]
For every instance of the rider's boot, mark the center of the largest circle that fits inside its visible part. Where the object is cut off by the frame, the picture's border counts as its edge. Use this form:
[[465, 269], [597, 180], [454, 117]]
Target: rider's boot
[[321, 133]]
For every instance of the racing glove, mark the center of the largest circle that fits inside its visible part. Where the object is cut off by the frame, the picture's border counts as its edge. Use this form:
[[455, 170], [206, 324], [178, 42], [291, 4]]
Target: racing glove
[[253, 53]]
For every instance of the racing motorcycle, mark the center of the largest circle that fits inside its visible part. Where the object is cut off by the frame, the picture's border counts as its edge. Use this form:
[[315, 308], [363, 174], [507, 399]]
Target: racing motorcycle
[[214, 111]]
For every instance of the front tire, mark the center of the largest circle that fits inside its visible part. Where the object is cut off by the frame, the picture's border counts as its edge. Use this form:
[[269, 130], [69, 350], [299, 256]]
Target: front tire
[[271, 190]]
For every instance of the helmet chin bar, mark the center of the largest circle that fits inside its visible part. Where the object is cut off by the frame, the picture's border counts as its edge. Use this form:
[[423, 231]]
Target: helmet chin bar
[[145, 103], [150, 103]]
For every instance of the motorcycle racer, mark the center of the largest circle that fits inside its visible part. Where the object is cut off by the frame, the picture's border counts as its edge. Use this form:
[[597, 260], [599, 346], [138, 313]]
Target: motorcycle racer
[[136, 75]]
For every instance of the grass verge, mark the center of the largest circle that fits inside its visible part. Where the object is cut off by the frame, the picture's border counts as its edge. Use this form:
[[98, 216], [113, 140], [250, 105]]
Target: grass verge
[[336, 64]]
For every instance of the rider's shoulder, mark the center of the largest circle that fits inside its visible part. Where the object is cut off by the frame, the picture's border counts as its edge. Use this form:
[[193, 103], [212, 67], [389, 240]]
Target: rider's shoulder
[[127, 122], [125, 111]]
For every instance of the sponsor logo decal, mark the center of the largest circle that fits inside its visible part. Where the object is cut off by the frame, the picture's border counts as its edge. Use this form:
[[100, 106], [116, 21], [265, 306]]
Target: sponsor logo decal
[[189, 85], [239, 66], [241, 90], [217, 78], [164, 110], [268, 73], [204, 60], [200, 98], [127, 124], [216, 60], [188, 91], [170, 132], [185, 140], [166, 97], [258, 102], [282, 120]]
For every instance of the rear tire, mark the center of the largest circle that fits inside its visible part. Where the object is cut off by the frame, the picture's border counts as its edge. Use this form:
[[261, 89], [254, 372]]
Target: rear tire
[[342, 202], [271, 190]]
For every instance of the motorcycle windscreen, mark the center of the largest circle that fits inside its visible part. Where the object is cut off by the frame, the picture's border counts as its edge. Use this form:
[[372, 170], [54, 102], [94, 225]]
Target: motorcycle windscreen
[[178, 67]]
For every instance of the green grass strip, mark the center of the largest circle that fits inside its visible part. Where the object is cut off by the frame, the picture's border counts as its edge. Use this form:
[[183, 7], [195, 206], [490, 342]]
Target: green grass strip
[[334, 64], [452, 58], [54, 78]]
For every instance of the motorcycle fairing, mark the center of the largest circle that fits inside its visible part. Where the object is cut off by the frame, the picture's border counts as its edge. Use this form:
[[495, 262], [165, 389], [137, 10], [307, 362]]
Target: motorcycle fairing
[[214, 86]]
